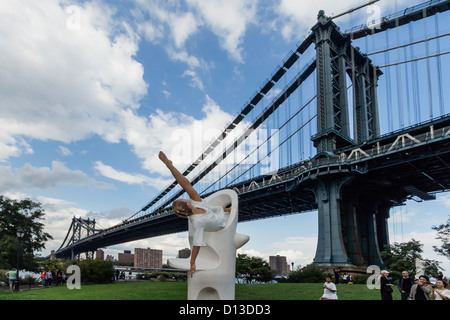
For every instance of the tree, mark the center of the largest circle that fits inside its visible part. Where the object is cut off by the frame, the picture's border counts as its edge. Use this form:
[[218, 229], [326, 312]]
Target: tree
[[96, 271], [307, 274], [253, 269], [402, 257], [26, 215], [444, 235]]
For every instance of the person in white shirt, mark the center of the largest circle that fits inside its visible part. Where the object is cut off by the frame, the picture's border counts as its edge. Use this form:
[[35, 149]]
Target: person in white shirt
[[441, 292], [202, 216], [329, 290]]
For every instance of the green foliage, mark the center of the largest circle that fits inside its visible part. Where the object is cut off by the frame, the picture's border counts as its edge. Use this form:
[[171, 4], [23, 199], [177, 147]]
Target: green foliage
[[308, 274], [443, 235], [26, 215], [402, 256], [253, 269], [54, 265], [96, 271]]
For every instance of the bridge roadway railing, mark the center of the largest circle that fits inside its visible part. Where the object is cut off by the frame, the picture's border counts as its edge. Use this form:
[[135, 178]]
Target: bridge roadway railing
[[399, 18], [352, 159]]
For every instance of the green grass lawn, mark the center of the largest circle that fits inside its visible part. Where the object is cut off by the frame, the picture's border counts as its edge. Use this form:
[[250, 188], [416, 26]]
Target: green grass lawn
[[178, 291]]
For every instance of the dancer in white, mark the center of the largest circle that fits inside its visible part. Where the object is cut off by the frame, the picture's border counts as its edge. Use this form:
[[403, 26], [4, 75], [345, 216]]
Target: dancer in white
[[201, 216]]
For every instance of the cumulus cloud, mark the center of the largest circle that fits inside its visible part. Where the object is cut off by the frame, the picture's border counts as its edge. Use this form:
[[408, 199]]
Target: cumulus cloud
[[181, 136], [228, 19], [179, 21], [44, 178], [129, 178], [65, 74], [295, 18], [299, 250], [444, 199]]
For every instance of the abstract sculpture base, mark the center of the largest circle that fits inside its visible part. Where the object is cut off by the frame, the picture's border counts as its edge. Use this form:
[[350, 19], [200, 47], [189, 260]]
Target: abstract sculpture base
[[214, 278]]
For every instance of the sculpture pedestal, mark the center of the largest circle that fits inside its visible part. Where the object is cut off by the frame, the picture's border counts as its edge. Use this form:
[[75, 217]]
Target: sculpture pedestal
[[214, 278]]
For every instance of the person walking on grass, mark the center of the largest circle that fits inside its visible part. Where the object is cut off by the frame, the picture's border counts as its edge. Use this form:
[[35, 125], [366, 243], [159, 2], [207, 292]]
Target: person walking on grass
[[12, 278]]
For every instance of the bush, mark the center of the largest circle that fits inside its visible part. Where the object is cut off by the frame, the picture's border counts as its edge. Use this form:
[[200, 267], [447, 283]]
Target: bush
[[96, 271], [360, 278], [308, 274]]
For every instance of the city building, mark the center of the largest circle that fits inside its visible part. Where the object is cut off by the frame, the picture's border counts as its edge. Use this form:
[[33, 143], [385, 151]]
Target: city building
[[147, 258], [126, 258], [184, 253], [279, 265], [100, 254]]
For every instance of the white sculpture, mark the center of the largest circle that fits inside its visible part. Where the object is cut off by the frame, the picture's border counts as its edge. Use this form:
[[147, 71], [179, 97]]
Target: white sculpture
[[216, 263]]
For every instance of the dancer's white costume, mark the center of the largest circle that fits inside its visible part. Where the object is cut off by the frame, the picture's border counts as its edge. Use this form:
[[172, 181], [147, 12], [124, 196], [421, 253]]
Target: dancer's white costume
[[216, 262]]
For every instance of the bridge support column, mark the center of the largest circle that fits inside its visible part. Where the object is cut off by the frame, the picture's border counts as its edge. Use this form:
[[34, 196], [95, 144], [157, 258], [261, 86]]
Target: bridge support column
[[352, 224], [367, 213], [364, 225], [330, 246]]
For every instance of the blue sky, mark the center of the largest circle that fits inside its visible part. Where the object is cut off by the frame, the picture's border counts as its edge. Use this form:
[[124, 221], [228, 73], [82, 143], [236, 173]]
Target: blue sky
[[90, 91]]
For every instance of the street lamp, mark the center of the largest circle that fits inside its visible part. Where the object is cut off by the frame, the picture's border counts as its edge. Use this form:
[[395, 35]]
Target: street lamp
[[19, 234]]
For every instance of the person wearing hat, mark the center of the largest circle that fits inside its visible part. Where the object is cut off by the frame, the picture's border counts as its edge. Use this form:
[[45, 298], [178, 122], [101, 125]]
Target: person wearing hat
[[385, 286], [421, 290]]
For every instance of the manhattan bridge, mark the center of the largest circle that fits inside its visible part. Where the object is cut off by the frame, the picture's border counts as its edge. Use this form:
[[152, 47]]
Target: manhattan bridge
[[351, 124]]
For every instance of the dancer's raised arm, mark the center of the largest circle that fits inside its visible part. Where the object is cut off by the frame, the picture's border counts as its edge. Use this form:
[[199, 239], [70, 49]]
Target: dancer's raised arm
[[182, 180]]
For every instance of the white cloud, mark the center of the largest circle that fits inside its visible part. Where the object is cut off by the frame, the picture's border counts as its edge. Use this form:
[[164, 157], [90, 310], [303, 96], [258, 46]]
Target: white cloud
[[42, 178], [228, 19], [196, 82], [60, 83], [299, 250], [295, 18], [110, 172], [180, 136], [444, 199], [64, 151], [183, 56], [182, 26]]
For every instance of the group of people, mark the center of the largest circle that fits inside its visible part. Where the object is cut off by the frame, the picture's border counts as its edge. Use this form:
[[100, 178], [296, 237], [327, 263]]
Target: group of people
[[417, 288], [120, 275], [47, 277]]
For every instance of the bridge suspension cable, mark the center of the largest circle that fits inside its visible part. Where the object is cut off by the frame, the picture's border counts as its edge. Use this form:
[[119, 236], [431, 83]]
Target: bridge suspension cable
[[409, 44], [289, 89], [416, 59], [260, 145]]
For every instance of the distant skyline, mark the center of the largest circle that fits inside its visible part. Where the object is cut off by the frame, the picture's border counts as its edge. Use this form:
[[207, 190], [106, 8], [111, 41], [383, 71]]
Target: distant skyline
[[90, 91]]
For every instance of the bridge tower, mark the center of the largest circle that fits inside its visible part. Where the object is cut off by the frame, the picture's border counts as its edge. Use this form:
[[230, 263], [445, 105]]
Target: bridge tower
[[81, 228], [352, 219]]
